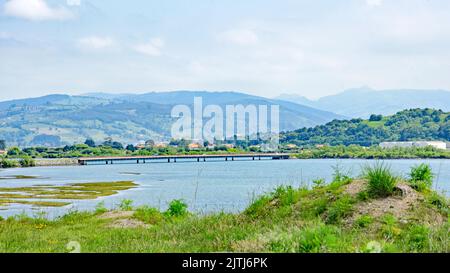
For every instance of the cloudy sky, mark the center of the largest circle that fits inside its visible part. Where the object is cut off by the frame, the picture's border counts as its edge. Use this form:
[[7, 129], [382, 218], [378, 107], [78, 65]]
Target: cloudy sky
[[305, 47]]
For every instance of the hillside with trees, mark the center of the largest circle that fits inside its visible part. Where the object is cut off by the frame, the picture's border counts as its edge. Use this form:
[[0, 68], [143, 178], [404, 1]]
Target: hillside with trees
[[407, 125]]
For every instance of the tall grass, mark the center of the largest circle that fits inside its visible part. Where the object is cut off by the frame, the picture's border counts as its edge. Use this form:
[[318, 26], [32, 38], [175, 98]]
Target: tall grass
[[381, 180]]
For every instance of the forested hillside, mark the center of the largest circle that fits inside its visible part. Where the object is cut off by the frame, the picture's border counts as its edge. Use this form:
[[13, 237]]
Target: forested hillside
[[413, 124]]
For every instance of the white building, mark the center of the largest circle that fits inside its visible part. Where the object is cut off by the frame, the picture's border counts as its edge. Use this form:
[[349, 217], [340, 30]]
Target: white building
[[408, 144]]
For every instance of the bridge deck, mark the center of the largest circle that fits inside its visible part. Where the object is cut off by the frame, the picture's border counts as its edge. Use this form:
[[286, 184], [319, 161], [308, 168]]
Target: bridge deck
[[173, 158]]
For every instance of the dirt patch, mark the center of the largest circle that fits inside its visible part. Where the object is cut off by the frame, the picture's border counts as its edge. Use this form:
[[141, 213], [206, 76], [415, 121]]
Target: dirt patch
[[355, 187], [127, 223], [403, 205], [122, 219], [116, 214]]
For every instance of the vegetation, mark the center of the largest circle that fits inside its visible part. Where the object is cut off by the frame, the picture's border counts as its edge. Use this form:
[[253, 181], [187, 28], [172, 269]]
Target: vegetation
[[126, 205], [380, 179], [414, 124], [374, 152], [326, 218], [112, 149], [27, 162], [33, 195], [177, 208], [356, 138], [421, 177], [5, 163]]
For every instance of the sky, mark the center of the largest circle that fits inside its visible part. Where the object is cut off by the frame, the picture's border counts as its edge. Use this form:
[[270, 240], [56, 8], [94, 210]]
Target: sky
[[305, 47]]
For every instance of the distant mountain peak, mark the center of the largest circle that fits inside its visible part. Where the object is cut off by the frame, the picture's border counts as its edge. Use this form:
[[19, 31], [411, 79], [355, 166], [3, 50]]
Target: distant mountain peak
[[363, 101]]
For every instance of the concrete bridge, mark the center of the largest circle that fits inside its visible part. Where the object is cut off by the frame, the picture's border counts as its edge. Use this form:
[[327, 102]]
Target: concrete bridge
[[174, 158]]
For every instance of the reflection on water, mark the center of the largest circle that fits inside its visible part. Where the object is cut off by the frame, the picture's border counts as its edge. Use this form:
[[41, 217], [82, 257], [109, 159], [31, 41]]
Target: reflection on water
[[206, 186]]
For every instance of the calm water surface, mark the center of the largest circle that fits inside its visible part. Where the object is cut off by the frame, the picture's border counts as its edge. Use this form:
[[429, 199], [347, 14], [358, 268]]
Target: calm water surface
[[205, 186]]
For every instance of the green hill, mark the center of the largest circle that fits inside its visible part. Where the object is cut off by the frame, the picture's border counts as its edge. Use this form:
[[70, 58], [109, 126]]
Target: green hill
[[413, 124], [57, 120]]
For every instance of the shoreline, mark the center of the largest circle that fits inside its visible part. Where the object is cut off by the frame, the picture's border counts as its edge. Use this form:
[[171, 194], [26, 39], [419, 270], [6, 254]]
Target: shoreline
[[61, 162]]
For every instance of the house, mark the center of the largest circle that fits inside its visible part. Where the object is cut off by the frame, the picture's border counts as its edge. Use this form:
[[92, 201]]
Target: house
[[194, 146], [211, 146], [291, 147], [409, 144], [3, 152], [160, 145], [140, 145], [229, 146]]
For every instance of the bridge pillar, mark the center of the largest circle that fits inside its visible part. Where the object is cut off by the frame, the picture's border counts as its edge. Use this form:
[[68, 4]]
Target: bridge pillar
[[168, 160], [204, 159], [175, 160], [253, 158], [137, 161], [226, 158], [198, 159]]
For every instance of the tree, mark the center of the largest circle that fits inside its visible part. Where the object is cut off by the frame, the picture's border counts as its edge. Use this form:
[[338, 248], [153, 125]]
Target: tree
[[131, 148], [2, 144], [13, 151], [375, 117], [90, 142], [117, 145], [150, 143]]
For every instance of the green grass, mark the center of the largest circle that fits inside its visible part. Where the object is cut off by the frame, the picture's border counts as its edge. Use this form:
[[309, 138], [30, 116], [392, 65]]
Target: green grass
[[148, 215], [286, 220], [381, 180], [364, 221]]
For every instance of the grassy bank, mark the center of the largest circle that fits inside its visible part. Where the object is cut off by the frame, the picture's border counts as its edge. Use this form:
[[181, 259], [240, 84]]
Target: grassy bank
[[377, 212]]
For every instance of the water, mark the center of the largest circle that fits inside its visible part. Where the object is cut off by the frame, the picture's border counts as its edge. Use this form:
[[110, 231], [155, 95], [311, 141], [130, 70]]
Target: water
[[205, 186]]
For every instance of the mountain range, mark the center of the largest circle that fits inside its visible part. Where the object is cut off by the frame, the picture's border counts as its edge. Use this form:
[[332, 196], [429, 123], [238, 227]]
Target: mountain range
[[56, 120], [364, 101], [59, 119]]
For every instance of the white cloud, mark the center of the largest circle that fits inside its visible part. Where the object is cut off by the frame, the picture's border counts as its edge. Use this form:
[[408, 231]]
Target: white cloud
[[243, 37], [35, 10], [374, 3], [96, 42], [152, 48], [73, 2]]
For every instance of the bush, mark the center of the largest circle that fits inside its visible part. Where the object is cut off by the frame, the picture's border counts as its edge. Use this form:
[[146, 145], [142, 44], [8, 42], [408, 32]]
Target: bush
[[177, 208], [148, 215], [126, 205], [27, 162], [421, 177], [364, 221], [100, 208], [5, 163], [381, 181]]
